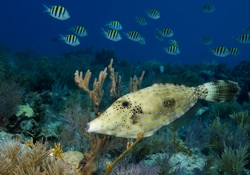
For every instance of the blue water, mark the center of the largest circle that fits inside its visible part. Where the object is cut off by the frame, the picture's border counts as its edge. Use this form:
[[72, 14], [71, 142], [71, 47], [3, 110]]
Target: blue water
[[24, 26]]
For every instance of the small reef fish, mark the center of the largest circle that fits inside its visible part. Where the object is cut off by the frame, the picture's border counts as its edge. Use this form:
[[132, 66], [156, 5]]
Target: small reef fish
[[208, 8], [142, 41], [165, 32], [172, 50], [173, 42], [247, 29], [141, 21], [153, 13], [244, 38], [116, 25], [112, 34], [151, 108], [159, 36], [234, 51], [71, 40], [133, 35], [220, 51], [207, 40], [80, 31], [58, 12]]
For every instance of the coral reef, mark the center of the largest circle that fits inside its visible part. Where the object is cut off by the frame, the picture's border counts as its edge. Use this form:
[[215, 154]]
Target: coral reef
[[217, 138]]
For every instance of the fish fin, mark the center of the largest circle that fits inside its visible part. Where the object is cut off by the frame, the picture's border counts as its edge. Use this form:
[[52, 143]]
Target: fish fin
[[218, 91], [103, 31], [47, 9], [62, 37]]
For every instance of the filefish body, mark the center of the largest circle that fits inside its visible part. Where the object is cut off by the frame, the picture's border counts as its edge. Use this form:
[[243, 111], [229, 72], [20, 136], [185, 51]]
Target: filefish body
[[57, 12], [153, 107]]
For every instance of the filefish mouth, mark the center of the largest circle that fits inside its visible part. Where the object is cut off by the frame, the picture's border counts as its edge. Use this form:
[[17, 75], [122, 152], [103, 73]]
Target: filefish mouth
[[87, 127], [93, 127]]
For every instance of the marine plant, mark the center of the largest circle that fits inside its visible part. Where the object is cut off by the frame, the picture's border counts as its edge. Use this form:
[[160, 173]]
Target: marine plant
[[242, 119], [233, 161], [33, 159]]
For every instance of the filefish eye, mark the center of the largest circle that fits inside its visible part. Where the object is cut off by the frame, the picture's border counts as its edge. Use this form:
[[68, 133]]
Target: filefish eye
[[125, 103]]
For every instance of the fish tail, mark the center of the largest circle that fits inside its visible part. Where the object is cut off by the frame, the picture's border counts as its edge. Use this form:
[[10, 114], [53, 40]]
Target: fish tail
[[47, 9], [218, 91]]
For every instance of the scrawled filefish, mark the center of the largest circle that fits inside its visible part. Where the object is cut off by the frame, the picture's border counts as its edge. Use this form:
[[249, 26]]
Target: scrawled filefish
[[160, 104]]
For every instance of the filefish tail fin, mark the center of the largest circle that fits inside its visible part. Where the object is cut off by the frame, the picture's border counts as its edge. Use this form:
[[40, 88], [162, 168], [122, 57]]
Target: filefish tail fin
[[218, 91]]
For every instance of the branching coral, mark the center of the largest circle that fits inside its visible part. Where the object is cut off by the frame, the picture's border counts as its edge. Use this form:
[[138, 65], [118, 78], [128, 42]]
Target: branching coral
[[98, 143]]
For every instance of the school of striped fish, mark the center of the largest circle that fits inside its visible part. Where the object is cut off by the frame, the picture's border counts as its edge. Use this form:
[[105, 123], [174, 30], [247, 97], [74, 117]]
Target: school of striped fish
[[112, 30]]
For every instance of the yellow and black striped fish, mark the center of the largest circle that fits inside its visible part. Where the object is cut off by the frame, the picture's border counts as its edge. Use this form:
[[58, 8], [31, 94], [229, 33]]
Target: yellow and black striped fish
[[71, 40], [220, 51], [80, 31], [244, 38], [234, 51], [166, 32], [153, 13], [116, 25], [141, 21], [58, 12], [172, 50], [208, 8], [133, 35], [112, 34]]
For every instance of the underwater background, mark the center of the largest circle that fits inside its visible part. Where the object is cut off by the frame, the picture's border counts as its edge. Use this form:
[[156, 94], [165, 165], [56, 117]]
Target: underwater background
[[44, 111]]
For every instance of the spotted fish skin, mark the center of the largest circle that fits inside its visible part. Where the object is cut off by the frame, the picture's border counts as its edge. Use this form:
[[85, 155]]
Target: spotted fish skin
[[160, 104]]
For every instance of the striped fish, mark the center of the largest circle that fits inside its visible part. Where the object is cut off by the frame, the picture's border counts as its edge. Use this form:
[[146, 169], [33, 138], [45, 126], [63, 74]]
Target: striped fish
[[141, 21], [116, 25], [220, 51], [80, 31], [151, 108], [71, 40], [244, 38], [142, 41], [206, 40], [58, 12], [208, 8], [172, 50], [166, 32], [133, 35], [153, 13], [234, 51], [112, 34]]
